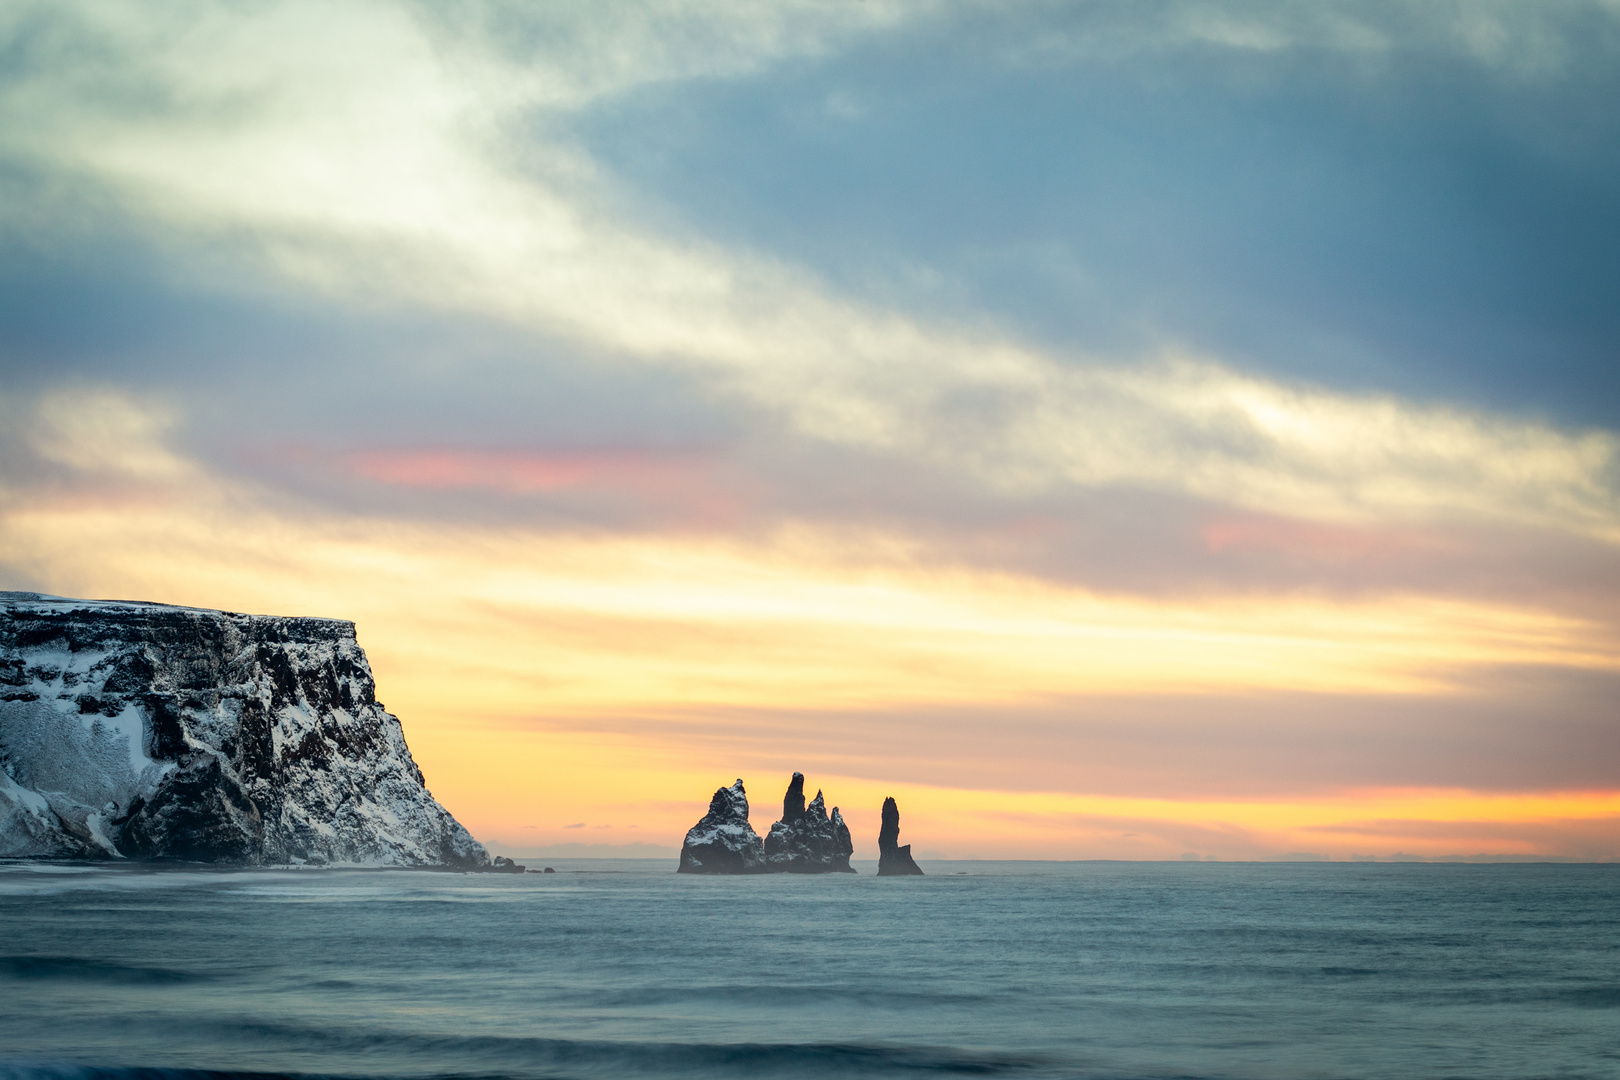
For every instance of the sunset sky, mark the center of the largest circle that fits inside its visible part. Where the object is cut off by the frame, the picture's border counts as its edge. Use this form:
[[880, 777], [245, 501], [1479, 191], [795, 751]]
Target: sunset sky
[[1114, 429]]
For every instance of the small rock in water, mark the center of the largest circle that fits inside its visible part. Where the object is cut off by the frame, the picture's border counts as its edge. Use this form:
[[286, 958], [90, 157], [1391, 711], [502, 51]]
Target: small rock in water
[[548, 870], [894, 859], [503, 865]]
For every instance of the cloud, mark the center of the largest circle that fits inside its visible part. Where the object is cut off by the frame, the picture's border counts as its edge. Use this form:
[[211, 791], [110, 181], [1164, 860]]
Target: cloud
[[103, 432], [517, 473], [373, 163], [548, 672], [812, 614], [1526, 40]]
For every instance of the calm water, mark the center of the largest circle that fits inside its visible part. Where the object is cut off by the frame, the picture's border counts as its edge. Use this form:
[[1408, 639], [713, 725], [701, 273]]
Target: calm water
[[628, 970]]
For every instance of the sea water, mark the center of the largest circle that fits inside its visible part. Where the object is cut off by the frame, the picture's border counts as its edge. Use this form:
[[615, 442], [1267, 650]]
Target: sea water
[[626, 969]]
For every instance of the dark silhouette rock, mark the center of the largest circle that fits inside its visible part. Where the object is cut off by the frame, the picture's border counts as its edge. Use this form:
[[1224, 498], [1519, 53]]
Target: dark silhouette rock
[[722, 842], [793, 801], [807, 840], [548, 870], [144, 731], [503, 865], [894, 859]]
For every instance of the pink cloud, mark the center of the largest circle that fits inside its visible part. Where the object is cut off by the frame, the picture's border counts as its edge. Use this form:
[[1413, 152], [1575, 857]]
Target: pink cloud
[[1309, 538], [691, 489], [517, 473]]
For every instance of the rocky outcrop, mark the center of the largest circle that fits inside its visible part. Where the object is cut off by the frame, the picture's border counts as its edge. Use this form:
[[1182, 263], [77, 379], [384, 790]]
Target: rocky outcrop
[[807, 840], [894, 860], [151, 732], [722, 842]]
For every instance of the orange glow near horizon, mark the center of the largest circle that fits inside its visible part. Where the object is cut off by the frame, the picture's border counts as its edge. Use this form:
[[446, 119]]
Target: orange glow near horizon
[[618, 795], [484, 641]]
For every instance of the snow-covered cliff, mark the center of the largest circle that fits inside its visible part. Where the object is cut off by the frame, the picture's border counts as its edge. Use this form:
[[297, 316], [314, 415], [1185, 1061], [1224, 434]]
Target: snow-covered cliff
[[144, 731]]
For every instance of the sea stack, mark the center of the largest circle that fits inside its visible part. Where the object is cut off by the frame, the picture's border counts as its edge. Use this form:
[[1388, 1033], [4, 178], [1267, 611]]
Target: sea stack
[[807, 840], [144, 731], [722, 842], [894, 859]]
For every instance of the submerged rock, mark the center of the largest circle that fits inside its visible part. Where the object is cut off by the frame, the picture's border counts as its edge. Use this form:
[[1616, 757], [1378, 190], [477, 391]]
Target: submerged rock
[[135, 730], [722, 842], [894, 859], [807, 840]]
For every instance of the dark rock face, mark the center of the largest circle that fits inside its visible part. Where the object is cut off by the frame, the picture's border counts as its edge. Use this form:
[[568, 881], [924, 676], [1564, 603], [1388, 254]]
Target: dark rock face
[[200, 813], [145, 731], [722, 842], [894, 860], [793, 799], [807, 840]]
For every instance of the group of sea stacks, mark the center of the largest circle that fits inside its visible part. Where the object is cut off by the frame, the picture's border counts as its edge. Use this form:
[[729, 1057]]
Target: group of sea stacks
[[807, 840]]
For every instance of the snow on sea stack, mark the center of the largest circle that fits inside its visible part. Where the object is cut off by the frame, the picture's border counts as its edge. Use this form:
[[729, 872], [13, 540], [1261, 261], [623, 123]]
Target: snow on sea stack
[[722, 842], [893, 859], [145, 731], [806, 840]]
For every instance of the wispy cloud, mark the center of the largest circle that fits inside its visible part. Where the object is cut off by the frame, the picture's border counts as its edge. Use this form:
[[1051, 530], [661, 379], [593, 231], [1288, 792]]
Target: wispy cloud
[[826, 618], [1525, 40], [387, 160]]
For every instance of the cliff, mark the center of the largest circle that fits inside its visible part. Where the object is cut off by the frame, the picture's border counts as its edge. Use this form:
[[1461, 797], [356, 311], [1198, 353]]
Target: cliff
[[144, 731], [894, 860], [722, 842], [807, 840]]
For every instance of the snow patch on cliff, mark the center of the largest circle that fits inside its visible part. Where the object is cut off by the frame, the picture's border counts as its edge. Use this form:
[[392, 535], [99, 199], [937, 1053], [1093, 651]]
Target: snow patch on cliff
[[153, 730]]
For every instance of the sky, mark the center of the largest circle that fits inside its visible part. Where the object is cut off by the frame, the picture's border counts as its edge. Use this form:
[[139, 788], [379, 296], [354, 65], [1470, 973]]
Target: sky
[[1141, 430]]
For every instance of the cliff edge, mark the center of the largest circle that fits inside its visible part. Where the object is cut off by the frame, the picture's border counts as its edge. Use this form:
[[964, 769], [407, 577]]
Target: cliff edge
[[143, 731]]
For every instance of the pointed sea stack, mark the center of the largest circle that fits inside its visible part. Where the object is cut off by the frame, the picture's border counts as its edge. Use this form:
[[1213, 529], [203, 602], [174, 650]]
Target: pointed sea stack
[[894, 859], [807, 840], [723, 842]]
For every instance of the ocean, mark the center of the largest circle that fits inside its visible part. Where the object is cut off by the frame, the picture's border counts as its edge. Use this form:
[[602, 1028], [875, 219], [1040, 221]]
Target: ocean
[[626, 969]]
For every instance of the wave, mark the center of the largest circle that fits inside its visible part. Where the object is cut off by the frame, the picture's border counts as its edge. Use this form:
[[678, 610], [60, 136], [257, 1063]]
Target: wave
[[884, 998], [553, 1059], [92, 970], [506, 1055], [1592, 997], [61, 1071]]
